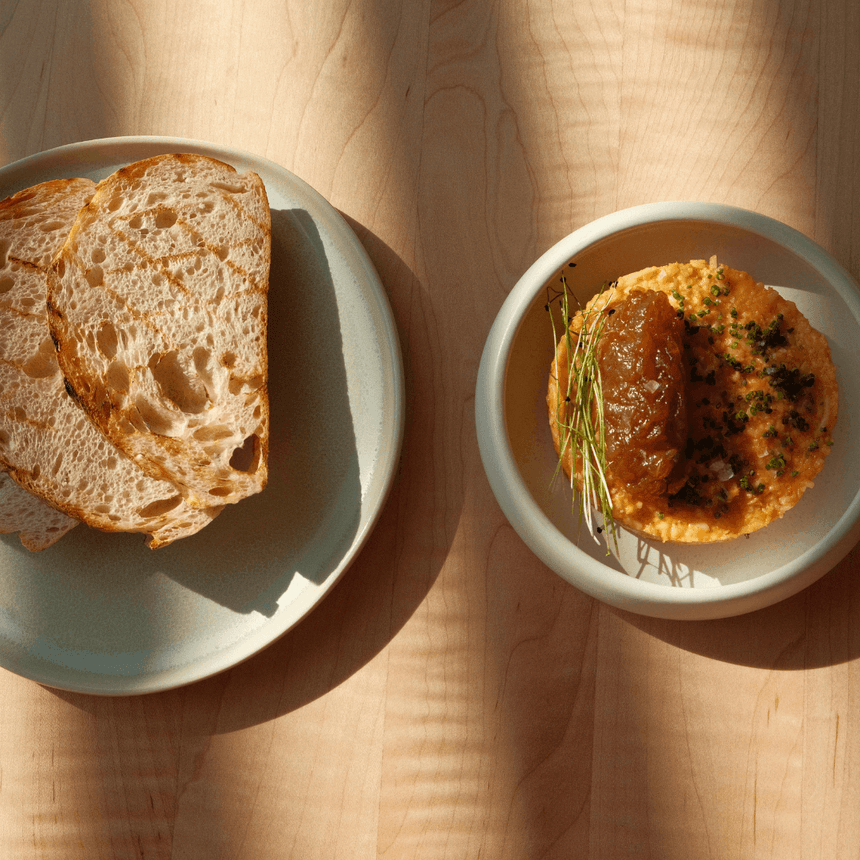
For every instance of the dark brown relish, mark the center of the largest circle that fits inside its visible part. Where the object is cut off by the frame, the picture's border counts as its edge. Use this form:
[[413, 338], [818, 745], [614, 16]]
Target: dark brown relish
[[643, 371]]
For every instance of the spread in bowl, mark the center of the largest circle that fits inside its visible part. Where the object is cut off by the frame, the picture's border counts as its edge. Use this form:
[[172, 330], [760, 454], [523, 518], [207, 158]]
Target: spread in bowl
[[692, 403]]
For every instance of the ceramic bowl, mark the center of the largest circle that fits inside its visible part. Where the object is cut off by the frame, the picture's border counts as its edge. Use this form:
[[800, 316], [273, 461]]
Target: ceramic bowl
[[648, 577]]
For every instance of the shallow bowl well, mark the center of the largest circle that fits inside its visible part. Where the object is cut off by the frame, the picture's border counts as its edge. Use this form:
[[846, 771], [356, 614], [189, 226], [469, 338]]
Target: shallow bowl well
[[643, 576]]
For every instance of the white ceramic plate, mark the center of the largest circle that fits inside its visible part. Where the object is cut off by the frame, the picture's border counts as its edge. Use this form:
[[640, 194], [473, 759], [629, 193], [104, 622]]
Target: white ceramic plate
[[663, 580], [103, 614]]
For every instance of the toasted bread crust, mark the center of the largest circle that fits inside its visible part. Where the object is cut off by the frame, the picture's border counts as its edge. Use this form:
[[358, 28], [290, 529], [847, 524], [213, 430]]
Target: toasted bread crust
[[157, 302]]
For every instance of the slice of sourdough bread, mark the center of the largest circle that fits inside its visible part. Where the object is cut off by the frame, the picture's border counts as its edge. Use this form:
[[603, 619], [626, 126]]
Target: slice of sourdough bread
[[38, 524], [158, 305], [47, 444]]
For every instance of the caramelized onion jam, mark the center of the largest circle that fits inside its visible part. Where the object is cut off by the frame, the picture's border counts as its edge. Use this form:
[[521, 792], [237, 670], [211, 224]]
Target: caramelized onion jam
[[643, 369], [719, 401]]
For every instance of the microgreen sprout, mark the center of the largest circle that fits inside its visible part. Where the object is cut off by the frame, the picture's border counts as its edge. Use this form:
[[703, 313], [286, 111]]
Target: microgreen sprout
[[580, 423]]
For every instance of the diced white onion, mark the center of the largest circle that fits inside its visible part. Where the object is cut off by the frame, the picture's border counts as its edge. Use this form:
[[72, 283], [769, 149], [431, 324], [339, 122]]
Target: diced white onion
[[724, 470]]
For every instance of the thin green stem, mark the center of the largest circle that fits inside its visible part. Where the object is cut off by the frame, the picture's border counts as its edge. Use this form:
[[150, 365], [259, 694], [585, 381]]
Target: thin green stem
[[581, 430]]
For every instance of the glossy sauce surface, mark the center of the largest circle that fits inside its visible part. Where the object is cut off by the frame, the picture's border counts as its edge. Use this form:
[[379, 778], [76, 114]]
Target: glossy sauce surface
[[643, 370]]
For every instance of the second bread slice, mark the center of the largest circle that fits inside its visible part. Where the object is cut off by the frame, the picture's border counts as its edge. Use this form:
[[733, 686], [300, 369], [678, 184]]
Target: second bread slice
[[157, 305]]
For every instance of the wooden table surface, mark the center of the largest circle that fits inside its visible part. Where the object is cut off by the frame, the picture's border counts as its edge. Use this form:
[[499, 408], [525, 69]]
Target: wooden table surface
[[452, 697]]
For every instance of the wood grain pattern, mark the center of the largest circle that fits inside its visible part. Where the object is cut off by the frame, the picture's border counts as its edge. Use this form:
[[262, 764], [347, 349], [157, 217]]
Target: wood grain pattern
[[452, 698]]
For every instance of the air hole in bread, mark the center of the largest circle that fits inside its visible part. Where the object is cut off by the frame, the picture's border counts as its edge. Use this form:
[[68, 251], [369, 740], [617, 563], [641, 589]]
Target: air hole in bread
[[228, 360], [50, 226], [165, 219], [114, 203], [201, 357], [229, 187], [6, 285], [136, 223], [176, 383], [155, 197], [157, 421], [247, 457], [125, 426], [4, 437], [5, 244], [57, 464], [117, 377], [43, 363], [223, 252], [220, 491], [98, 255], [107, 339], [36, 471], [252, 383], [95, 276], [61, 267], [160, 507], [212, 433]]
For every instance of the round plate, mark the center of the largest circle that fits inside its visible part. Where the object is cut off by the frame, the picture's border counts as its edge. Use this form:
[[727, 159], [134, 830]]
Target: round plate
[[101, 613], [668, 580]]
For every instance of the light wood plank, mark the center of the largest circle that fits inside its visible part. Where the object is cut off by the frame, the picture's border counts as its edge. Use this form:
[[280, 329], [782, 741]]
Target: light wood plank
[[453, 698]]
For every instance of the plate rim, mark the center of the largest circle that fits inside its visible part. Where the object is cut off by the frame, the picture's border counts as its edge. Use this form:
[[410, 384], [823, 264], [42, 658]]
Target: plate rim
[[49, 163]]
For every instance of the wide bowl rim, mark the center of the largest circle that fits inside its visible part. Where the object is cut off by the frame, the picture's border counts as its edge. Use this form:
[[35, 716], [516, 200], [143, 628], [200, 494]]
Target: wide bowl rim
[[528, 518]]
